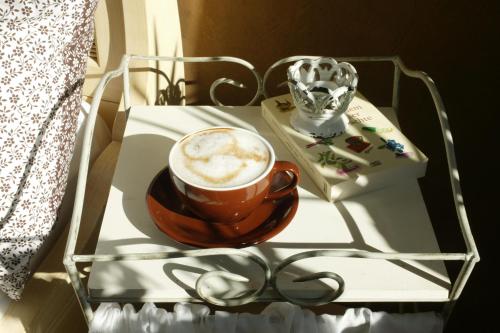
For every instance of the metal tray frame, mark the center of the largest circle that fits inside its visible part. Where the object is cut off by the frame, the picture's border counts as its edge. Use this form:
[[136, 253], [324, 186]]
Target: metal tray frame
[[469, 258]]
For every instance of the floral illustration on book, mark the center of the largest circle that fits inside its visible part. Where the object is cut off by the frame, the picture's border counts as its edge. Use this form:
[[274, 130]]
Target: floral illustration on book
[[284, 106], [343, 165], [357, 144], [321, 141], [406, 154], [396, 147], [377, 129]]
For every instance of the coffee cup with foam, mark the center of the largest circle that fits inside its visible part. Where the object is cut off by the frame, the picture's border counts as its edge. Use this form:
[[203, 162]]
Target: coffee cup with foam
[[222, 174]]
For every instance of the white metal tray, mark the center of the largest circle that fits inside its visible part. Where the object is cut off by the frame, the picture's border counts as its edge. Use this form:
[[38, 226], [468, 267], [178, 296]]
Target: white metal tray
[[71, 259]]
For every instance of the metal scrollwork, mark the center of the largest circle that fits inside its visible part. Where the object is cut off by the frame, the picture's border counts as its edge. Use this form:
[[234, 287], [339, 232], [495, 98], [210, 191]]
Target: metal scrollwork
[[247, 298], [214, 85], [279, 63], [332, 294], [201, 283], [235, 83]]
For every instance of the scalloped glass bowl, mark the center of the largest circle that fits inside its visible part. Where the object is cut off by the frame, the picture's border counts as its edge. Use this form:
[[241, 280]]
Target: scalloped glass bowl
[[321, 90]]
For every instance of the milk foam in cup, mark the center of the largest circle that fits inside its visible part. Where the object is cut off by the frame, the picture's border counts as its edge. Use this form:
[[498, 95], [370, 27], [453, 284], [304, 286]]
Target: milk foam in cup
[[220, 158]]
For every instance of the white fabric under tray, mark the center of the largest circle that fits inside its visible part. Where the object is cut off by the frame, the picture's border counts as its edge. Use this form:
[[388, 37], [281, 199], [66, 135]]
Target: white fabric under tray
[[275, 318]]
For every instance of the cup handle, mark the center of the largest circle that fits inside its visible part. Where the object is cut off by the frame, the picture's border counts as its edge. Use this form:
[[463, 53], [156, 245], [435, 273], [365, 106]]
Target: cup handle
[[284, 166]]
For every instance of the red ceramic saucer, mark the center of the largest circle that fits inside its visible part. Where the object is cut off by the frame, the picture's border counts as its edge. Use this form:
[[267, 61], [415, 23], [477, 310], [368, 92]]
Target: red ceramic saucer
[[175, 220]]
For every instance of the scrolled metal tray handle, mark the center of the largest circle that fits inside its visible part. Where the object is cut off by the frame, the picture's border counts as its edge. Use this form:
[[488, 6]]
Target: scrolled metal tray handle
[[214, 85], [240, 300], [279, 63], [202, 281], [332, 294]]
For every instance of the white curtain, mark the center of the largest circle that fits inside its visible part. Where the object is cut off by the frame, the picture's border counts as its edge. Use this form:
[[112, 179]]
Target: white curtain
[[275, 318]]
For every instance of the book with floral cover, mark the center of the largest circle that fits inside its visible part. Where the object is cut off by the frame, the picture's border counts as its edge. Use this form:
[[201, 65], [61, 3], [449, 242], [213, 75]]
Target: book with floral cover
[[371, 154]]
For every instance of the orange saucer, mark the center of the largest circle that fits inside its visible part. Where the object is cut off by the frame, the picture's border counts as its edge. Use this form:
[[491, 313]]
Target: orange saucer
[[175, 220]]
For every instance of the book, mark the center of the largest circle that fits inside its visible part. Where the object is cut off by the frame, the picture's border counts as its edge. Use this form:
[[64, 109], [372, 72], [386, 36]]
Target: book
[[371, 154]]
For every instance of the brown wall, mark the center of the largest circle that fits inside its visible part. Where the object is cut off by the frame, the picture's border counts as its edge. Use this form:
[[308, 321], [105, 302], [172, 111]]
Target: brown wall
[[451, 40]]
